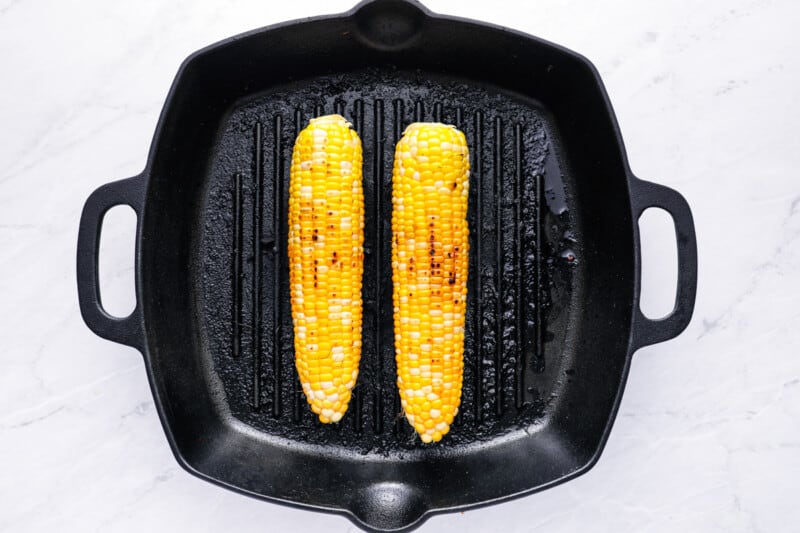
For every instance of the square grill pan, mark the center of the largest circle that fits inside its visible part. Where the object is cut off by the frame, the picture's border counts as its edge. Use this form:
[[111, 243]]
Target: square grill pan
[[552, 308]]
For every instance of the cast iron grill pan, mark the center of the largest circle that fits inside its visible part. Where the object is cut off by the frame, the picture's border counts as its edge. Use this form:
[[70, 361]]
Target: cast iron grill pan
[[552, 308], [520, 275]]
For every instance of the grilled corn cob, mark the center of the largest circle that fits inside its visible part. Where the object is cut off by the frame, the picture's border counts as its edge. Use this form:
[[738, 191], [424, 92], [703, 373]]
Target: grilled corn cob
[[430, 250], [326, 236]]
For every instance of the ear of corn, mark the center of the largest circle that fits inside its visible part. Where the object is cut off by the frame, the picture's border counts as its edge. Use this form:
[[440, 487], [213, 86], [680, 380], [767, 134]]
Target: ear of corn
[[326, 235], [430, 251]]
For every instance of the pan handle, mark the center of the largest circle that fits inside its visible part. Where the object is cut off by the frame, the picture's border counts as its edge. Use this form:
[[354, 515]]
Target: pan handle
[[127, 330], [645, 331]]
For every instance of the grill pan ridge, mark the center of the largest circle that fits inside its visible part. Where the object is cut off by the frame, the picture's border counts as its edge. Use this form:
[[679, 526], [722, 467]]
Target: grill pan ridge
[[552, 309]]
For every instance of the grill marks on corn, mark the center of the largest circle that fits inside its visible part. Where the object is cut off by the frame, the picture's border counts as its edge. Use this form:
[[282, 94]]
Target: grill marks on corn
[[430, 250], [326, 223]]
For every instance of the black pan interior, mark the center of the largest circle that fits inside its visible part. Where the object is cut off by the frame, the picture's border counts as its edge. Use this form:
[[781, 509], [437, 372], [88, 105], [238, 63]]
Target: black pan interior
[[549, 303], [518, 202]]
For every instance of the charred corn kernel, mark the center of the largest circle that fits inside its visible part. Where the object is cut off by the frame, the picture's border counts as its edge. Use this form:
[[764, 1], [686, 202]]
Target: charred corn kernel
[[326, 255], [430, 251]]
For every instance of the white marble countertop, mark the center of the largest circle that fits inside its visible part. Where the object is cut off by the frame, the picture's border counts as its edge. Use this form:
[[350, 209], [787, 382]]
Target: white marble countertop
[[708, 435]]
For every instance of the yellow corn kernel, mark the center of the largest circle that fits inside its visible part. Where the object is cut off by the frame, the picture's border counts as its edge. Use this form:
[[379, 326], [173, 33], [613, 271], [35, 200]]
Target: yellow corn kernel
[[326, 261], [430, 252]]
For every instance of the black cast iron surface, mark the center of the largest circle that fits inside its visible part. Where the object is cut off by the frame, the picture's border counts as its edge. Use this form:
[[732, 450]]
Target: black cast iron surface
[[553, 315], [524, 250]]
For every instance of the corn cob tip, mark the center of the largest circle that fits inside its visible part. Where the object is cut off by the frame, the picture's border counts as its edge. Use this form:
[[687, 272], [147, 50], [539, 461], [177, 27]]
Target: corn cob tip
[[427, 125], [335, 119]]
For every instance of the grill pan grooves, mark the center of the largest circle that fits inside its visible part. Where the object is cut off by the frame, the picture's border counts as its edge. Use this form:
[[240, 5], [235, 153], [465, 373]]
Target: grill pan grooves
[[552, 316], [505, 305]]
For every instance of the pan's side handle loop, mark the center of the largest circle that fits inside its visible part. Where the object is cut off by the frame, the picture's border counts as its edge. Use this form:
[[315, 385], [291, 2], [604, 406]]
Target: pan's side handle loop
[[127, 330], [646, 331]]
